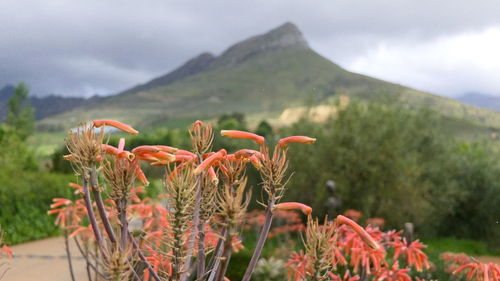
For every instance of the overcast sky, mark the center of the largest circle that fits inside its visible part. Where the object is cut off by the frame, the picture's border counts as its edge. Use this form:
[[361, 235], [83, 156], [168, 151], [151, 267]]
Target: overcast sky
[[82, 48]]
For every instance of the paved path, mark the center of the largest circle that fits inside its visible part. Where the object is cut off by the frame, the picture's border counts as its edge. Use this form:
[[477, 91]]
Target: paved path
[[44, 260]]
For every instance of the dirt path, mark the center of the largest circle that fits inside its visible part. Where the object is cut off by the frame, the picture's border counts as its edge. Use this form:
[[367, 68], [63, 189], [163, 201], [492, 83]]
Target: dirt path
[[44, 260]]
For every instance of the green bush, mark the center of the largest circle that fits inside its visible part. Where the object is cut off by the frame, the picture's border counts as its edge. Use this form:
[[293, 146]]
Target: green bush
[[25, 197], [397, 164]]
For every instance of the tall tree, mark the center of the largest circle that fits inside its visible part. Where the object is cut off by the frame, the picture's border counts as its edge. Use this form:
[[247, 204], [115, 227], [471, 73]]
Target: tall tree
[[20, 115]]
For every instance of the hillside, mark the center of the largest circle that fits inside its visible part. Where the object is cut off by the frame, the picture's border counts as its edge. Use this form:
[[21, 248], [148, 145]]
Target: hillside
[[264, 74], [45, 106], [481, 100]]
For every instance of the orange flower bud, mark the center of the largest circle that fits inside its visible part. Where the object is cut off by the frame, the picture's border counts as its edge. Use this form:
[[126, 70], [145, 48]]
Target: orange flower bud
[[367, 238], [295, 139], [213, 176], [123, 127], [235, 134], [293, 206]]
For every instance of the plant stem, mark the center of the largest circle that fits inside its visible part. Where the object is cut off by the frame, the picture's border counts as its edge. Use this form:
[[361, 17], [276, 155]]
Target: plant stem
[[143, 258], [90, 212], [100, 205], [68, 254], [215, 260], [122, 215], [194, 229], [226, 256], [260, 244], [201, 250]]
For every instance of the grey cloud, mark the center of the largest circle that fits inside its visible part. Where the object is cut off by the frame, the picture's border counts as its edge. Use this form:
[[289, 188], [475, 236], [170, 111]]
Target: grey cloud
[[87, 47]]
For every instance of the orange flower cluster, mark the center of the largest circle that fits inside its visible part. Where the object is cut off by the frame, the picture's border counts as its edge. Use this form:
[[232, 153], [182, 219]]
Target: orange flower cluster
[[193, 215], [363, 251]]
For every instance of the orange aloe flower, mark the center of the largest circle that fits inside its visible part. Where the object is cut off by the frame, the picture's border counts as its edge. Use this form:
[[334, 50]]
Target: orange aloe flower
[[295, 139], [235, 134], [7, 251], [360, 231], [480, 271], [78, 188], [210, 161], [293, 206], [123, 127]]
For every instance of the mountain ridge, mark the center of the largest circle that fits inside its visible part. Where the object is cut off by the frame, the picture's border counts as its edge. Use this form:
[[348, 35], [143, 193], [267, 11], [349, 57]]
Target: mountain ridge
[[264, 75]]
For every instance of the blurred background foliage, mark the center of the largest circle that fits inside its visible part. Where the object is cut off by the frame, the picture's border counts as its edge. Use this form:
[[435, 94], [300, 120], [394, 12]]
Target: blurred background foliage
[[386, 161]]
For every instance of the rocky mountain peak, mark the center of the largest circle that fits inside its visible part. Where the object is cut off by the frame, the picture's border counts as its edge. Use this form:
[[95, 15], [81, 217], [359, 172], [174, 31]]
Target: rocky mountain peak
[[284, 36]]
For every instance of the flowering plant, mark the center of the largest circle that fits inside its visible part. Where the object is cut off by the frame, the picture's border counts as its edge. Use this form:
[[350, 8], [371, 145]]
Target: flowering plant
[[190, 231]]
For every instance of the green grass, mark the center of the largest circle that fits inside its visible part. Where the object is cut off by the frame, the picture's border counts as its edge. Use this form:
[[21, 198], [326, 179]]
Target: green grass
[[470, 247]]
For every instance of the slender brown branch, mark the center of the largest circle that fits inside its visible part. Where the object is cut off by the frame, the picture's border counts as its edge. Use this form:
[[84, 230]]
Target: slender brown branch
[[122, 215], [201, 250], [226, 256], [90, 212], [194, 230], [68, 254], [260, 244], [100, 205], [214, 262], [143, 258]]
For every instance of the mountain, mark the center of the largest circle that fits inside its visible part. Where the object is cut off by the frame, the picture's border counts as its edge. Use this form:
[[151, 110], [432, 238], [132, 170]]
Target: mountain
[[481, 100], [262, 76], [45, 106]]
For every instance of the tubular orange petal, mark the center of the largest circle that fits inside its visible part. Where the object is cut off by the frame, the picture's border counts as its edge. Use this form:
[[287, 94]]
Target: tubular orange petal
[[184, 158], [295, 139], [121, 144], [245, 153], [185, 152], [126, 154], [367, 238], [123, 127], [255, 161], [235, 134], [140, 175], [149, 158], [167, 149], [162, 155], [109, 149], [68, 157], [293, 206], [145, 149], [209, 161]]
